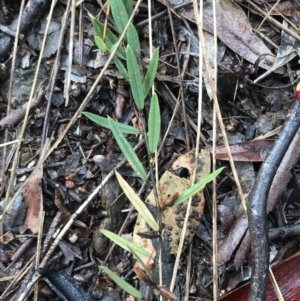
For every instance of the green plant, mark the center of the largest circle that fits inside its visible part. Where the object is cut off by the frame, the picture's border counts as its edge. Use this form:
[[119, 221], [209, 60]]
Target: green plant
[[127, 62]]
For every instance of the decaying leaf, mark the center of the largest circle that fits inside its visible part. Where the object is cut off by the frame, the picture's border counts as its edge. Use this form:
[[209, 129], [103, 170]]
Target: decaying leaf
[[169, 188], [33, 197], [233, 29], [249, 151]]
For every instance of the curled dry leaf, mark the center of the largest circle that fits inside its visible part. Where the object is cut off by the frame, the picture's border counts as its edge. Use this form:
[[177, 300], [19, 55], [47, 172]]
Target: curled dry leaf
[[171, 185]]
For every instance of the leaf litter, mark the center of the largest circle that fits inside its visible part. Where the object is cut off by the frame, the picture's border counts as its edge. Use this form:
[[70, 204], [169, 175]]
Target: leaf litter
[[68, 190]]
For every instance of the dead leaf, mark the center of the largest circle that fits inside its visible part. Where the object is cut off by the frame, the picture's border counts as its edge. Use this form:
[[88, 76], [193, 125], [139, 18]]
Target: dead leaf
[[171, 185], [250, 151], [233, 29], [33, 197]]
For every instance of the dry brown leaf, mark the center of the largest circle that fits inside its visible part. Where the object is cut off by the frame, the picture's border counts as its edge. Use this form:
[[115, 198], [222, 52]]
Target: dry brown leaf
[[170, 187], [233, 29], [249, 151], [33, 197]]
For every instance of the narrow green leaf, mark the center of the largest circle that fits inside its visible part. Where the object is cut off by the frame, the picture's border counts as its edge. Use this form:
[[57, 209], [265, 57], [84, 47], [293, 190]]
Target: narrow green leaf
[[98, 26], [100, 44], [151, 72], [124, 128], [124, 243], [121, 68], [119, 14], [197, 187], [121, 18], [154, 124], [135, 80], [110, 38], [129, 7], [122, 283], [133, 39], [137, 203], [127, 150]]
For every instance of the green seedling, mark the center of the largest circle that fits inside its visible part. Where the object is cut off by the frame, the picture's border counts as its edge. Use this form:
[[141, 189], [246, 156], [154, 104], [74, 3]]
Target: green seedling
[[197, 187], [124, 128], [124, 243], [137, 203]]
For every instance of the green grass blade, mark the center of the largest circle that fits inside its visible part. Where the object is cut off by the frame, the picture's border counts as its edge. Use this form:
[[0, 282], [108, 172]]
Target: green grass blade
[[121, 68], [128, 6], [127, 150], [101, 44], [110, 38], [121, 18], [197, 187], [137, 203], [135, 80], [133, 39], [151, 72], [124, 243], [122, 283], [98, 26], [124, 128], [119, 14], [154, 124]]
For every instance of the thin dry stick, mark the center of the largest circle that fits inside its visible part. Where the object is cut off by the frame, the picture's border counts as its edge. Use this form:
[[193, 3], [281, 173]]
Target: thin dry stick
[[54, 72], [79, 110], [9, 143], [188, 273], [199, 121], [214, 183], [80, 39], [181, 93], [38, 251], [70, 54], [267, 15], [220, 119], [189, 263], [275, 22], [283, 17]]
